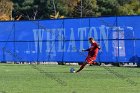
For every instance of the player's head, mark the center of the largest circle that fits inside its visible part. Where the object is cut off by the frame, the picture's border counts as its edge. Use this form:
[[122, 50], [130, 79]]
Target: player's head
[[91, 40]]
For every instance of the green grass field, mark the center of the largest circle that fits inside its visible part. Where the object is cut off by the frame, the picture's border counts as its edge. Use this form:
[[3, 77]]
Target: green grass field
[[57, 79]]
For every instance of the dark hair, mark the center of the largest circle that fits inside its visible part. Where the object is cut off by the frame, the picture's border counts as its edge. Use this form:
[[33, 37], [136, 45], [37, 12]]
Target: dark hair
[[91, 38]]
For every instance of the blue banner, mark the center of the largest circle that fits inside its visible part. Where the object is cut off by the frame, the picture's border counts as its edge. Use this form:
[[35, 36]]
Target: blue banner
[[62, 40]]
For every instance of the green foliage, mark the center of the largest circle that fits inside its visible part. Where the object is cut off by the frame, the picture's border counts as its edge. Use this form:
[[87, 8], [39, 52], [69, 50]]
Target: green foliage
[[131, 8], [108, 7], [122, 2], [86, 8], [42, 9], [26, 8]]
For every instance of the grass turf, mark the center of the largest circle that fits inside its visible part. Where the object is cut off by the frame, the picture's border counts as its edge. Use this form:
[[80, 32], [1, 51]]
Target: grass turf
[[57, 79]]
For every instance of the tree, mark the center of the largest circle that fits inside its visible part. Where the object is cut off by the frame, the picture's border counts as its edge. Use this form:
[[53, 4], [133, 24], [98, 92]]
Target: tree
[[63, 7], [26, 8], [6, 7], [38, 9], [86, 8], [108, 7], [131, 8], [69, 6], [123, 2], [43, 9]]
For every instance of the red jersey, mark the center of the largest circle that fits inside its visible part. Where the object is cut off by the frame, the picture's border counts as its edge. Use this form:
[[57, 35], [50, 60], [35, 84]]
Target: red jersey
[[93, 50], [92, 53]]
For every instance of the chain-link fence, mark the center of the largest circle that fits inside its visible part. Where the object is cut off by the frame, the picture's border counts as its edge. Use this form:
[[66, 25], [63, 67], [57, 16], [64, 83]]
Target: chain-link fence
[[62, 40]]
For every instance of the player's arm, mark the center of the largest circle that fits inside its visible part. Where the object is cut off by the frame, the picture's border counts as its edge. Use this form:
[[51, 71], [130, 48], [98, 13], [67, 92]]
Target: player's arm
[[86, 49], [89, 49]]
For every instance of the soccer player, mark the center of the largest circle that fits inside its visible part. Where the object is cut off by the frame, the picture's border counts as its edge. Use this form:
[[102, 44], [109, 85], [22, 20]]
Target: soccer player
[[92, 54]]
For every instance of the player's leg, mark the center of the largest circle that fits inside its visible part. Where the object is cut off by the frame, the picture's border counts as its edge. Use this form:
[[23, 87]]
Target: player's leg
[[81, 67], [88, 61]]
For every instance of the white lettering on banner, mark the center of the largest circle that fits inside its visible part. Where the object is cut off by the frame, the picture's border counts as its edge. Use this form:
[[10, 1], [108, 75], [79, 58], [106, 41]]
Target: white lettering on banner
[[50, 43], [104, 35], [35, 31], [51, 35], [120, 46], [72, 42], [40, 33], [93, 33], [82, 34], [60, 46]]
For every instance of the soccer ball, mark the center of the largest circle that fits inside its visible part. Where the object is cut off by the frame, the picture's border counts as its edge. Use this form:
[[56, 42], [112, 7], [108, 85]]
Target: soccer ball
[[72, 70]]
